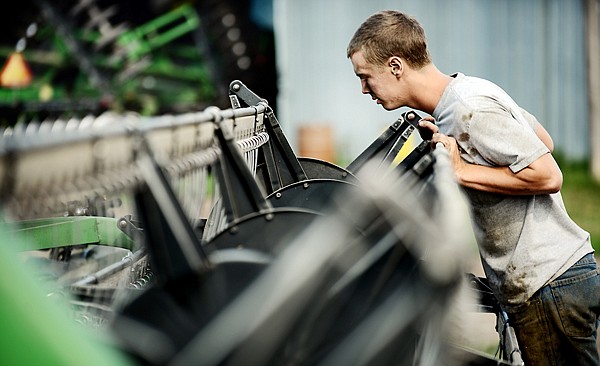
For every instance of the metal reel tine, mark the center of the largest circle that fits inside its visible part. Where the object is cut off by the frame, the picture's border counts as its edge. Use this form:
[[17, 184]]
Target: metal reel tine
[[32, 128], [87, 122], [58, 126], [7, 132], [72, 124], [46, 126]]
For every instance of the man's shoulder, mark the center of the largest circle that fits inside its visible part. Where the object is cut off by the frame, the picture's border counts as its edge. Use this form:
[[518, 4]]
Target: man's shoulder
[[467, 95], [476, 94], [474, 85]]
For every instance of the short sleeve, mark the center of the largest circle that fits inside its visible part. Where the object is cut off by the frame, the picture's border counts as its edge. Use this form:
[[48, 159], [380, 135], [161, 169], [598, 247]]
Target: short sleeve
[[503, 140], [530, 118]]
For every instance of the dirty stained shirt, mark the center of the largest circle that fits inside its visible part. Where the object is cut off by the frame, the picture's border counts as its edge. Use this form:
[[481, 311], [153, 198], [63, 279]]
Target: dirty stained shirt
[[524, 241]]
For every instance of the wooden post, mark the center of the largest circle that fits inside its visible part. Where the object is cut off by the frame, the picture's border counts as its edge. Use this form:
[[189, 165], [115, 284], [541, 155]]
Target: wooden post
[[593, 48]]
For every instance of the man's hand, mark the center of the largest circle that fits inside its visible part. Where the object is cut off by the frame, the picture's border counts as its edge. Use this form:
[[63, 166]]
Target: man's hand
[[449, 143]]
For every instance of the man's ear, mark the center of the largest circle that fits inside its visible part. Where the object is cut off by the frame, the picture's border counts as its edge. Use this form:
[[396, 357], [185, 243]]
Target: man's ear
[[396, 65]]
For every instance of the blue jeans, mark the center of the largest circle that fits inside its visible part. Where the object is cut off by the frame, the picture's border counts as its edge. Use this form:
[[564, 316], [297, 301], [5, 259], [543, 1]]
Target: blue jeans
[[558, 324]]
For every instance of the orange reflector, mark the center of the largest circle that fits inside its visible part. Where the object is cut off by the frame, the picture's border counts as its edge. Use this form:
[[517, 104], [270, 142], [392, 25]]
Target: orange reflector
[[16, 72]]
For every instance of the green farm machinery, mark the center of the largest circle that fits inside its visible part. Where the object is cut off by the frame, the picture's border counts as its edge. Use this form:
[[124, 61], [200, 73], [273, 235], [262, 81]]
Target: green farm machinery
[[74, 58], [142, 224]]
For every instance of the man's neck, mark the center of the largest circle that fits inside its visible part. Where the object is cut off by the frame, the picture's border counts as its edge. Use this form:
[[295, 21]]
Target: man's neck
[[428, 85]]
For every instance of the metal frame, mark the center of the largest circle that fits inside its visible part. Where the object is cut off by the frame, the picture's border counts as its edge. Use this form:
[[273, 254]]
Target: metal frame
[[288, 267], [47, 233]]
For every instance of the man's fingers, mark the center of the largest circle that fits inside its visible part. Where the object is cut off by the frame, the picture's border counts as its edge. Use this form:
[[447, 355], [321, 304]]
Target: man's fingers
[[439, 138], [427, 122]]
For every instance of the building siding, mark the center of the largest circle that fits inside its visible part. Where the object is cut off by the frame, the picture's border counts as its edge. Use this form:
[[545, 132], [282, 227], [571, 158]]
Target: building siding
[[534, 49]]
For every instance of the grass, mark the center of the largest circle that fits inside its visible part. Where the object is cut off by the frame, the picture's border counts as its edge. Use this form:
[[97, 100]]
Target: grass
[[581, 194]]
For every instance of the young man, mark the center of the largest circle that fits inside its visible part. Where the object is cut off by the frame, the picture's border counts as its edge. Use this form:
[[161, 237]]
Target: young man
[[539, 263]]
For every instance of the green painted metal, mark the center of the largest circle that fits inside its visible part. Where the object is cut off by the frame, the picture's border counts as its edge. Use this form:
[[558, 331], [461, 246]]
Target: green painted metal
[[36, 329], [142, 40], [67, 231], [177, 76]]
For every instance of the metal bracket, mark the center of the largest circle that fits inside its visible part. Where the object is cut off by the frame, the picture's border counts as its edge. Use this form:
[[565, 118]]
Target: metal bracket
[[235, 102], [175, 251], [240, 90], [282, 165], [417, 160], [389, 143], [132, 228], [240, 191]]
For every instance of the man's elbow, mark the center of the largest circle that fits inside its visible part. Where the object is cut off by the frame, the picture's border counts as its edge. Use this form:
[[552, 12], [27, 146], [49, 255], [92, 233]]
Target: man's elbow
[[547, 174], [553, 182]]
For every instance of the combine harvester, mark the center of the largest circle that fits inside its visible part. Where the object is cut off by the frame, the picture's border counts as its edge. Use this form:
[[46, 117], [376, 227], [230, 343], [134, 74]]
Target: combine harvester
[[201, 239]]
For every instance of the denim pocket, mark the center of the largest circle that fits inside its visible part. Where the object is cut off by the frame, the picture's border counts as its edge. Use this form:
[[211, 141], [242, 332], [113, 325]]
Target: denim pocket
[[577, 297]]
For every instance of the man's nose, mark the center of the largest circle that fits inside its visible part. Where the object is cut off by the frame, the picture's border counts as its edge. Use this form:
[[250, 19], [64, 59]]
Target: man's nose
[[364, 86]]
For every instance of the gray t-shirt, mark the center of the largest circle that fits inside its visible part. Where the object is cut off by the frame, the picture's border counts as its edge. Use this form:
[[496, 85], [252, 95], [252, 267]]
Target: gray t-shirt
[[524, 241]]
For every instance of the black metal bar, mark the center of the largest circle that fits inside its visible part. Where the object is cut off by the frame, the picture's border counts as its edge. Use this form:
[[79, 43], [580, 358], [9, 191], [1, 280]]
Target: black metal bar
[[107, 271], [271, 174], [283, 166], [387, 142], [247, 96], [241, 193], [415, 156], [288, 166], [174, 249]]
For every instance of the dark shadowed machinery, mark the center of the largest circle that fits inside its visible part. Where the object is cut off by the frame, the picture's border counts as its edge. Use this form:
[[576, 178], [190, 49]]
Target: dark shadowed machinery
[[73, 57], [141, 224]]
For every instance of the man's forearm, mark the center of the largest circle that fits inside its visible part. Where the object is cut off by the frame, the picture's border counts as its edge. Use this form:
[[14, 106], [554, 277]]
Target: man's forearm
[[541, 177]]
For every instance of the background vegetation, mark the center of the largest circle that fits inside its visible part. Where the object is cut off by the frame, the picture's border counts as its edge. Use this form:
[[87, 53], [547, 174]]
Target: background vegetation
[[581, 194]]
